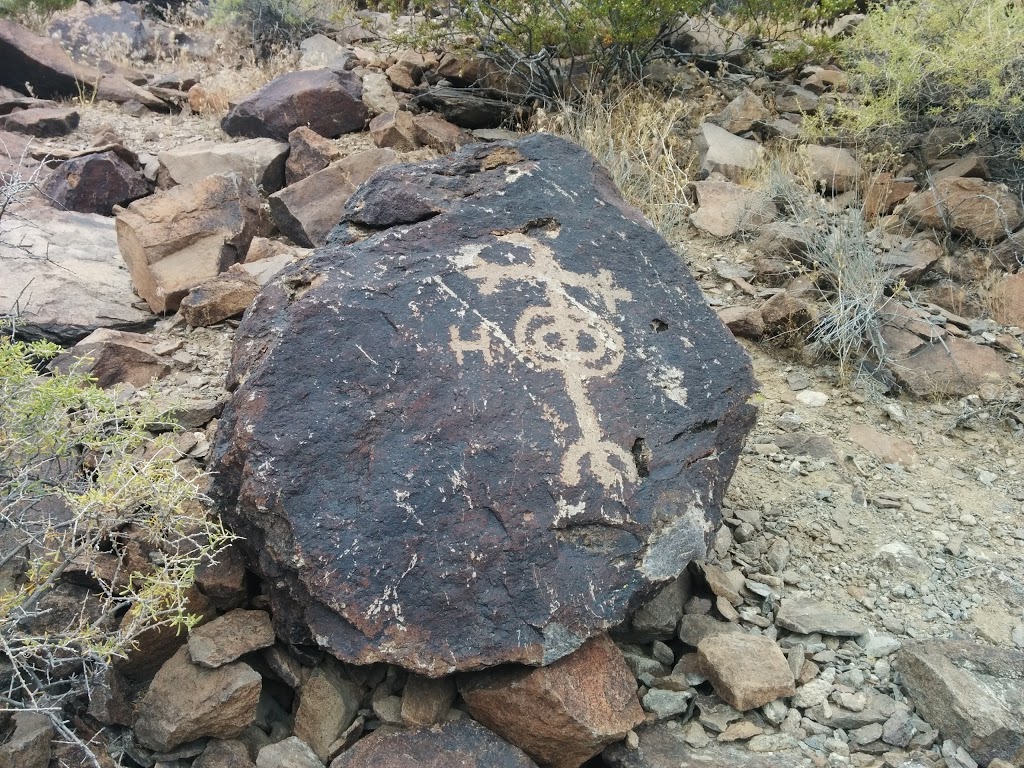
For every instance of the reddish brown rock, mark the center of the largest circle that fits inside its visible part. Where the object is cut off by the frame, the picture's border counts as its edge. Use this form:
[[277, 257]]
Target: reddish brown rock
[[727, 209], [227, 295], [395, 130], [425, 700], [115, 357], [787, 317], [325, 101], [832, 168], [309, 152], [459, 744], [309, 209], [229, 637], [982, 209], [437, 133], [884, 192], [745, 322], [176, 240], [94, 183], [563, 714], [953, 368], [328, 703], [748, 671], [42, 122], [186, 702], [912, 260], [741, 113], [889, 449]]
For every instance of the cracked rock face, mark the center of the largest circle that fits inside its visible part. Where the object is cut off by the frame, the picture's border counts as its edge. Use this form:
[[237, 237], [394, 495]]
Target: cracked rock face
[[483, 433]]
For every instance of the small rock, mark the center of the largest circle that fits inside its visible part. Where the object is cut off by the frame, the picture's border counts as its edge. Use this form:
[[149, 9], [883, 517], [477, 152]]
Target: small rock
[[812, 398], [740, 731], [328, 704], [288, 753], [227, 295], [425, 700], [804, 615], [665, 704], [747, 671], [229, 637]]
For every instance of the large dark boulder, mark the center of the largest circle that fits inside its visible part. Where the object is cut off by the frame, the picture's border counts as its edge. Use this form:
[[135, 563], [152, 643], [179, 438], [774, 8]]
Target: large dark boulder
[[327, 101], [486, 432], [94, 184]]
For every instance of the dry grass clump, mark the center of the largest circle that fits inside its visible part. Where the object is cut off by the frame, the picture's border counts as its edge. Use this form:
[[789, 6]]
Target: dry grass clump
[[635, 134]]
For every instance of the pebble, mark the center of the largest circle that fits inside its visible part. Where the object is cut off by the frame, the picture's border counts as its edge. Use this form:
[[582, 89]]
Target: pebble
[[812, 398]]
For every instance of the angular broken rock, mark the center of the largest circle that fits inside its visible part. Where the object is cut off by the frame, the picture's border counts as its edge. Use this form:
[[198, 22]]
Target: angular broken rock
[[175, 240], [727, 209], [186, 702], [227, 295], [94, 184], [746, 670], [459, 744], [804, 615], [229, 637], [395, 130], [563, 714], [30, 745], [973, 694], [328, 704], [410, 523], [324, 100], [308, 152], [309, 209], [260, 161], [115, 357], [63, 271], [426, 700], [983, 209], [718, 150]]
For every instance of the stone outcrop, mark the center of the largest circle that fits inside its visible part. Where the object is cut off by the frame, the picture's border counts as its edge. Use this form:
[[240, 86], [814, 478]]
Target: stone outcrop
[[94, 183], [65, 275], [42, 122], [177, 239], [376, 383], [260, 161], [562, 714], [460, 744], [324, 100], [186, 702]]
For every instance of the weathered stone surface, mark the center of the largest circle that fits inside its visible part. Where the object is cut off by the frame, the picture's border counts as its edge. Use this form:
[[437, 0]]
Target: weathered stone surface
[[490, 545], [88, 33], [327, 706], [228, 294], [115, 357], [42, 122], [318, 51], [325, 101], [437, 133], [883, 192], [30, 746], [720, 151], [259, 161], [186, 702], [94, 183], [230, 637], [308, 153], [308, 210], [973, 694], [223, 581], [177, 239], [794, 98], [805, 615], [664, 746], [745, 322], [741, 113], [459, 744], [64, 272], [833, 168], [377, 94], [1007, 300], [44, 64], [953, 368], [983, 209], [727, 209], [658, 618], [891, 450], [746, 670], [563, 714], [395, 130], [288, 753], [467, 109], [224, 753], [425, 700], [912, 260]]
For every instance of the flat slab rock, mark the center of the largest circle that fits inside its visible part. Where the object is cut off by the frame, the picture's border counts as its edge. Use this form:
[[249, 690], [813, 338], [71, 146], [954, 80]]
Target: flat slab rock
[[663, 746], [484, 433]]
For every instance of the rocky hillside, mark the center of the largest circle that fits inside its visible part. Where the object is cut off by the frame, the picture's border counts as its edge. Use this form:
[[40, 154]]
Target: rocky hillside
[[489, 440]]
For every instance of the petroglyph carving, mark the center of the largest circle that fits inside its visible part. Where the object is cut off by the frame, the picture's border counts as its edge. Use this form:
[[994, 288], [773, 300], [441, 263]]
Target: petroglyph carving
[[565, 335]]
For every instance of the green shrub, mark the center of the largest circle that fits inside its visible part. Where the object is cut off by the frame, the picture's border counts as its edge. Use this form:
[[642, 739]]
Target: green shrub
[[86, 490], [918, 63], [33, 8]]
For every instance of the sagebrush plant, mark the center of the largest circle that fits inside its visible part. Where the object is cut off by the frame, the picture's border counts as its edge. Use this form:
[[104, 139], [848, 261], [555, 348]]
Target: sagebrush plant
[[32, 9], [86, 489], [954, 62], [634, 135], [855, 286]]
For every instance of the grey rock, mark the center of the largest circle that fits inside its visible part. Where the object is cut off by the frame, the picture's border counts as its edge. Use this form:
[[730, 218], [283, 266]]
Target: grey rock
[[288, 753], [659, 616], [229, 637], [804, 615]]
